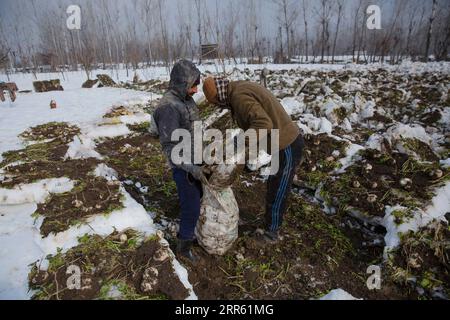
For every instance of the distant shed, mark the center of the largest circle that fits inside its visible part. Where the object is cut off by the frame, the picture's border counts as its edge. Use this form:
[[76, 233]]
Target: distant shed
[[210, 51]]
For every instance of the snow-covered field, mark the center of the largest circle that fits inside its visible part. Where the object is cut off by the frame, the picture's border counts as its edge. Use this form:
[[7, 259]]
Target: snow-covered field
[[343, 109], [21, 240]]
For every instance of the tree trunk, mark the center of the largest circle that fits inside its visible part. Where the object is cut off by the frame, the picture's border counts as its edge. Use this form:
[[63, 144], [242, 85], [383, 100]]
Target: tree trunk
[[337, 31], [430, 31]]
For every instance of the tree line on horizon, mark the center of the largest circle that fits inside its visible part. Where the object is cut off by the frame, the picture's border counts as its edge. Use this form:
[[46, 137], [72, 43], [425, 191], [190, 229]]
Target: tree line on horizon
[[139, 33]]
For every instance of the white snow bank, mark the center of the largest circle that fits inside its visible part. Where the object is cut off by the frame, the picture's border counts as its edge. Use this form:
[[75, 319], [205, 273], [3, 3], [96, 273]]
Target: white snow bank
[[82, 147], [292, 106], [18, 249], [393, 231], [439, 206], [445, 120], [102, 170], [368, 110], [413, 131], [375, 142], [338, 294], [35, 192], [437, 209], [22, 243], [184, 278], [330, 110], [136, 118], [110, 174], [309, 124], [445, 163], [350, 157], [325, 126], [109, 131], [263, 159], [132, 216]]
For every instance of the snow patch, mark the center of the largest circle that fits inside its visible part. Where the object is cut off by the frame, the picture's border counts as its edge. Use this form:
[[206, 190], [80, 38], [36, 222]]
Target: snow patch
[[109, 131], [338, 294], [135, 118], [445, 163], [106, 172], [35, 192], [351, 151], [414, 131], [292, 106], [263, 159], [82, 147]]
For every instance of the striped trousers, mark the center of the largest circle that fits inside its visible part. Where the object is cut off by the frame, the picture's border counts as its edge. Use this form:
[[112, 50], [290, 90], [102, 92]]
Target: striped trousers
[[279, 185]]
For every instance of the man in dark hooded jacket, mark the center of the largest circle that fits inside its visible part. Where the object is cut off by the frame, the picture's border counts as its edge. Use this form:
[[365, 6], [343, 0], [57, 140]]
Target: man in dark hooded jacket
[[178, 110]]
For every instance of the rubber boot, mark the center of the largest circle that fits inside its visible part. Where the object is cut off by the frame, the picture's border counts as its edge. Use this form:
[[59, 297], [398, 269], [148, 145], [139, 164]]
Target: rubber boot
[[184, 250], [267, 237]]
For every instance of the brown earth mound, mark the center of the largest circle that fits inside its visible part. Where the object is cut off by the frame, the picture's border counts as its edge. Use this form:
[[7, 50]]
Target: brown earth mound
[[45, 86]]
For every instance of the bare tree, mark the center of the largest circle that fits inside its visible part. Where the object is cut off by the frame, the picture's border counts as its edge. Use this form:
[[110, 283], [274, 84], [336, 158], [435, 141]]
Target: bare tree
[[355, 27], [288, 13], [163, 29], [340, 5], [387, 39], [229, 33], [198, 7], [4, 59], [443, 40], [430, 30], [148, 7], [324, 13], [413, 23], [305, 21], [138, 32]]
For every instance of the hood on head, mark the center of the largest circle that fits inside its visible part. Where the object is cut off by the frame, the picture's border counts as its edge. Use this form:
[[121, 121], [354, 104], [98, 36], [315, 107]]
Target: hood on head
[[183, 76]]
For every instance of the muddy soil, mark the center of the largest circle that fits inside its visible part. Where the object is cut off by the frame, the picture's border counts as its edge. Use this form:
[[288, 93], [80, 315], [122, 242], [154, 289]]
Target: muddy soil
[[90, 196], [381, 179], [34, 171], [320, 157], [47, 151], [119, 266], [315, 255]]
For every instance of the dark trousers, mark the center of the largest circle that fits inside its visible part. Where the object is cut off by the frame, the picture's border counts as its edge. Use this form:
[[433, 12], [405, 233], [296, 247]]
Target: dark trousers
[[279, 185], [189, 193]]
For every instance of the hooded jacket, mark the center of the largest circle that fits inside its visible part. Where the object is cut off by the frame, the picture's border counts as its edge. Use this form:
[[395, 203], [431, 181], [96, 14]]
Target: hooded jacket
[[176, 109]]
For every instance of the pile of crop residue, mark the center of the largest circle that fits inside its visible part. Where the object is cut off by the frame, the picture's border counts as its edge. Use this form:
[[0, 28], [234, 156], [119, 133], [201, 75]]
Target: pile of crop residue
[[154, 86]]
